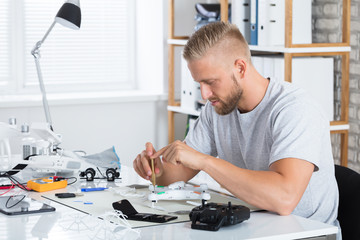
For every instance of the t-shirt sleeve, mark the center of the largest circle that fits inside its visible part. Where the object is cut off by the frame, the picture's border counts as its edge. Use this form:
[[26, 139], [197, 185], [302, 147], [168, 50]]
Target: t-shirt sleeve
[[201, 136], [298, 132]]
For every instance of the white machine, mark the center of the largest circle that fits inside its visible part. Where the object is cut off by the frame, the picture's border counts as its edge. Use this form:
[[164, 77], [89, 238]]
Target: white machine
[[45, 156]]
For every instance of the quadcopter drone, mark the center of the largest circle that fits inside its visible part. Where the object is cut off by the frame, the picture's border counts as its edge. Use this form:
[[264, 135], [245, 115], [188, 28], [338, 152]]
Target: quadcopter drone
[[178, 191]]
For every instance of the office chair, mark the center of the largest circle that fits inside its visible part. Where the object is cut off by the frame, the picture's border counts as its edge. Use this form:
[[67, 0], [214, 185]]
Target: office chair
[[349, 202]]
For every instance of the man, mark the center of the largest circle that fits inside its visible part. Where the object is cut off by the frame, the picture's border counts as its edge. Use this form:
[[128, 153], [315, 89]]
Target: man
[[266, 142]]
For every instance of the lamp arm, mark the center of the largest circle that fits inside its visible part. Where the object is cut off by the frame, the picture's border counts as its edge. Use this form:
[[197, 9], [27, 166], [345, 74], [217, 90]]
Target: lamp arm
[[36, 53]]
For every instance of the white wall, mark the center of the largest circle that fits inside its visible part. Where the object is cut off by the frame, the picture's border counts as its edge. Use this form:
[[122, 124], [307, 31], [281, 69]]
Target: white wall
[[151, 36], [127, 123], [94, 123], [94, 127]]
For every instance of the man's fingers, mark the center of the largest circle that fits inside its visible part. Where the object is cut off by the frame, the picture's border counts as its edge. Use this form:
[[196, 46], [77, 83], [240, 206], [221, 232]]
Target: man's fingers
[[138, 167], [145, 164], [160, 152], [149, 148], [171, 156]]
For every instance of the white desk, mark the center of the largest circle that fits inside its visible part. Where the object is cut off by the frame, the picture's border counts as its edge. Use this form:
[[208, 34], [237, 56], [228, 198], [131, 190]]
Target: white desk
[[68, 223]]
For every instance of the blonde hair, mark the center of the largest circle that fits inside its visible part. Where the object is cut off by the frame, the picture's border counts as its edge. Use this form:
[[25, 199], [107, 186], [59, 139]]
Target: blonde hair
[[212, 34]]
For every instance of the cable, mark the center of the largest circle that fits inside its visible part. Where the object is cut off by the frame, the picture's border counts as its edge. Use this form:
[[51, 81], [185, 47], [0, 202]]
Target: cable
[[10, 188], [100, 172], [6, 204], [17, 183], [73, 181]]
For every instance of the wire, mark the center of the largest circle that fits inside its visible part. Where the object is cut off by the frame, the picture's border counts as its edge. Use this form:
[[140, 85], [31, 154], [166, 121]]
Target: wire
[[15, 181], [100, 172], [6, 204], [10, 188], [73, 181]]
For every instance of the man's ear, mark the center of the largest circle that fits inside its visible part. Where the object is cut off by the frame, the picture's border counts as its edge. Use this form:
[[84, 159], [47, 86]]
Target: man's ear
[[240, 66]]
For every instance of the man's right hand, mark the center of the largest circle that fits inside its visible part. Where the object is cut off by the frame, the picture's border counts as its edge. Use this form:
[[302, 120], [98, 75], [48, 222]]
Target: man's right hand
[[142, 163]]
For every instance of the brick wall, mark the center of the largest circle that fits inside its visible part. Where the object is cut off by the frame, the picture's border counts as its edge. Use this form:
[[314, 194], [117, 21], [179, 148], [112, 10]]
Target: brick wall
[[327, 28]]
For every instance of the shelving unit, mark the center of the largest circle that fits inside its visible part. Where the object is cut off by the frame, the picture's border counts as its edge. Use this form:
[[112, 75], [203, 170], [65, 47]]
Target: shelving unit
[[289, 51]]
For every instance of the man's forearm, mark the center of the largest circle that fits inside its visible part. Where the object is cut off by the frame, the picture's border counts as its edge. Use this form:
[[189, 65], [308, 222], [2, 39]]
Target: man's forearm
[[270, 190]]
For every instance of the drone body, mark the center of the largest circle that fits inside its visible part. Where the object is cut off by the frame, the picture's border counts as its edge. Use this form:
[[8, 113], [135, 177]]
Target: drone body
[[178, 191]]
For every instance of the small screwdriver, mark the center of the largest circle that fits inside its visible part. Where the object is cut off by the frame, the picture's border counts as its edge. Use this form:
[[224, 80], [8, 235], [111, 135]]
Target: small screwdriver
[[153, 177]]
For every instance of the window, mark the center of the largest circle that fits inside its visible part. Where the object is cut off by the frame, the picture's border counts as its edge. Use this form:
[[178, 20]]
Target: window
[[4, 40], [99, 56]]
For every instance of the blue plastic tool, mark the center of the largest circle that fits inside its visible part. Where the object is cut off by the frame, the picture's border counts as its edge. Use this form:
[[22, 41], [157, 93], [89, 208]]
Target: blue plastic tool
[[93, 189]]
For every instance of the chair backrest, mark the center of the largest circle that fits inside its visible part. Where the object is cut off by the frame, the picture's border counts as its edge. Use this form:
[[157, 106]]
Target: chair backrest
[[349, 202]]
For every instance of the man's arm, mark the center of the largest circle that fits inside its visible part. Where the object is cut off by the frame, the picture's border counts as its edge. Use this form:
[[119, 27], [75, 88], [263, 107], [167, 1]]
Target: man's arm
[[279, 189]]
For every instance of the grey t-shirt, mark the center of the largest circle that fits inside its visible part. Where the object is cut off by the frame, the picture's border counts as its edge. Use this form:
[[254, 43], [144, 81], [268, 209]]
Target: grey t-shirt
[[287, 123]]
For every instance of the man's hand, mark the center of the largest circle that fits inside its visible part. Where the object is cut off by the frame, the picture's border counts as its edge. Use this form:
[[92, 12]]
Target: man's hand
[[178, 153], [141, 163]]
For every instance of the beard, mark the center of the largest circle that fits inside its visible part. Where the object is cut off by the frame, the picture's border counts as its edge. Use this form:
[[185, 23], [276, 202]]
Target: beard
[[230, 102]]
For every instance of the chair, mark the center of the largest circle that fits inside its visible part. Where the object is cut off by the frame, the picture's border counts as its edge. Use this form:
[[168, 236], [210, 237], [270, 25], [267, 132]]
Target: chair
[[349, 202]]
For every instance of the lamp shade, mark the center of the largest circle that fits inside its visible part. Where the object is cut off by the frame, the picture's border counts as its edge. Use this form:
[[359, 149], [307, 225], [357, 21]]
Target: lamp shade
[[69, 14]]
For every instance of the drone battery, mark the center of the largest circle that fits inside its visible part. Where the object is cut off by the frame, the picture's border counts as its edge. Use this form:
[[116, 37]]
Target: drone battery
[[46, 184]]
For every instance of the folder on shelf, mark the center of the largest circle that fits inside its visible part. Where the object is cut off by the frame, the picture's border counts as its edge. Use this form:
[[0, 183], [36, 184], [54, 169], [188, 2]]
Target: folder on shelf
[[240, 16], [301, 24], [254, 22], [263, 29], [271, 22], [190, 90], [271, 29], [320, 85]]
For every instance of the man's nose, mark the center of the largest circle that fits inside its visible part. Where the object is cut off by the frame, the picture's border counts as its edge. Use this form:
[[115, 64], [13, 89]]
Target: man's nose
[[205, 91]]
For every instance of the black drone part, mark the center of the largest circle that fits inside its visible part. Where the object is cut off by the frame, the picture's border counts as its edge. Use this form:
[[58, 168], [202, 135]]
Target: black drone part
[[89, 174], [212, 216], [112, 174]]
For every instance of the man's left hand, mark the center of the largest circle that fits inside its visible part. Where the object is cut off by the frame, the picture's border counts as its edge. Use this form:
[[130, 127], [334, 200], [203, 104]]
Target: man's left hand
[[179, 152]]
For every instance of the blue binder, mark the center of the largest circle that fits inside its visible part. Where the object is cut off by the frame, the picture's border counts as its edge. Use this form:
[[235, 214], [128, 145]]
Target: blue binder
[[254, 22]]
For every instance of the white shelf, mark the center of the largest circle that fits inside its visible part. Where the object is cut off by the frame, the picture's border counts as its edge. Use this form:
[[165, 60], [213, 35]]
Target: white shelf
[[187, 111], [339, 127], [282, 49], [279, 49], [181, 42], [193, 112]]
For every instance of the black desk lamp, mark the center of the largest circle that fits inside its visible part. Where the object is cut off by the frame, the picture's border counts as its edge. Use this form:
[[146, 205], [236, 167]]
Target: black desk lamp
[[69, 16]]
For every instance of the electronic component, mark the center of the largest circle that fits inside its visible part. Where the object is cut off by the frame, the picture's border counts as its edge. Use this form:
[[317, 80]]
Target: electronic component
[[68, 195], [89, 174], [47, 184], [127, 209], [20, 204], [178, 191], [212, 216]]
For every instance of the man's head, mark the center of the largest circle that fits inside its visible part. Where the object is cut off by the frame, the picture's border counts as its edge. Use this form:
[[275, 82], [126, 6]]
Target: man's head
[[214, 34], [218, 57]]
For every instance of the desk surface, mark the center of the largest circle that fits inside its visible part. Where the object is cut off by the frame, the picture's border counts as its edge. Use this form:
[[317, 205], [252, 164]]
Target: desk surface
[[68, 223]]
